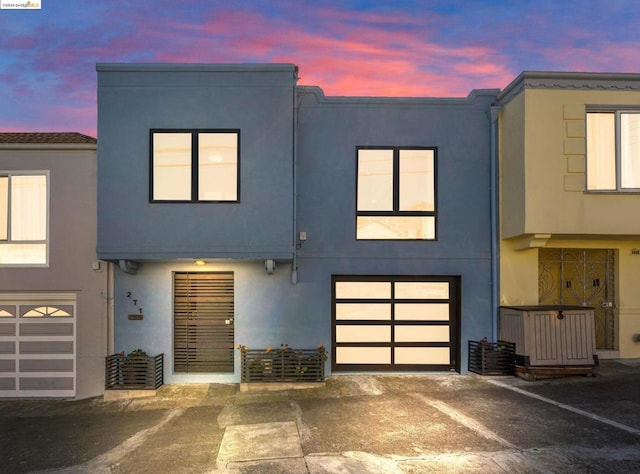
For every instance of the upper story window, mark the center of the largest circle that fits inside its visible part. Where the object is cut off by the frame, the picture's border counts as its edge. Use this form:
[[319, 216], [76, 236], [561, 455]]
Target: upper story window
[[23, 218], [613, 150], [396, 193], [195, 165]]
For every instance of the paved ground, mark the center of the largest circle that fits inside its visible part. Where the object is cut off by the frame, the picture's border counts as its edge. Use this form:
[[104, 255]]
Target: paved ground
[[356, 424]]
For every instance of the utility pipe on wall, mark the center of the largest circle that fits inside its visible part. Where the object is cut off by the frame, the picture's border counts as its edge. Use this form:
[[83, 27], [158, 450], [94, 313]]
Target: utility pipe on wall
[[495, 248], [294, 263], [110, 306]]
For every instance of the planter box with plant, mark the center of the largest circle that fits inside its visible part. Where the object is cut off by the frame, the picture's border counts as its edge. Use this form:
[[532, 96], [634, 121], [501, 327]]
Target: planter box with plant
[[134, 371], [492, 358], [282, 365]]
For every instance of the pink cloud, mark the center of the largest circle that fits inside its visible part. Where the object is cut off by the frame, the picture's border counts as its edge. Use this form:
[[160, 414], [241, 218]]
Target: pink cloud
[[388, 62], [391, 49]]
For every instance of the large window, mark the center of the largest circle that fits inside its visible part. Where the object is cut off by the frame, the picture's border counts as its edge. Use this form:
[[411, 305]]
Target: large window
[[396, 195], [23, 218], [613, 151], [195, 165]]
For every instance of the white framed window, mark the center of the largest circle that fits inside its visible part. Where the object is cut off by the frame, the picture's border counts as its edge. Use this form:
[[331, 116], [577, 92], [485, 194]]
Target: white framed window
[[24, 218], [396, 193], [613, 150], [195, 165]]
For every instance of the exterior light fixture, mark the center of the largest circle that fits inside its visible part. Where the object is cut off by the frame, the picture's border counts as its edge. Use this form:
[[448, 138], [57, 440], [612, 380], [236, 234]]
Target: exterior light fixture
[[199, 262]]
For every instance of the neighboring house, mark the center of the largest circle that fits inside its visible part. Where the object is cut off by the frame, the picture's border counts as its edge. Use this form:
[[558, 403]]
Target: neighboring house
[[570, 197], [53, 293], [241, 208]]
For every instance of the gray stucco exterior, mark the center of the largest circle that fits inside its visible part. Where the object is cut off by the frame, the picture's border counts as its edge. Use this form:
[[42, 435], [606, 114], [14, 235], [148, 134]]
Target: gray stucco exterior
[[298, 174], [72, 273]]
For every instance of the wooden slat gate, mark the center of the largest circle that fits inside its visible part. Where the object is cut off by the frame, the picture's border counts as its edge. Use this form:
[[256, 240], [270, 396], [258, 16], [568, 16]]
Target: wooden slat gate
[[203, 315]]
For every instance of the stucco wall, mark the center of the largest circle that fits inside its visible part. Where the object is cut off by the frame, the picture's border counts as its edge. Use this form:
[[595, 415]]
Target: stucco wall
[[330, 131], [263, 313], [72, 226], [555, 202], [270, 310], [511, 146], [555, 172], [132, 99]]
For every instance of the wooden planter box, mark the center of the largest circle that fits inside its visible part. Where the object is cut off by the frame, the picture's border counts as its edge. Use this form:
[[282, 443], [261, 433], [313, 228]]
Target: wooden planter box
[[282, 365], [133, 372], [492, 358]]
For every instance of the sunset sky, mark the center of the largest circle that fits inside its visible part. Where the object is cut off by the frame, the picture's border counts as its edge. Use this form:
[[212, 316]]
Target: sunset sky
[[435, 48]]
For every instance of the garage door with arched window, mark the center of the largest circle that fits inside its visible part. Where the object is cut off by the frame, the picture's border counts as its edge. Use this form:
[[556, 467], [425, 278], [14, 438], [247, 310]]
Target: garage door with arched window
[[37, 345]]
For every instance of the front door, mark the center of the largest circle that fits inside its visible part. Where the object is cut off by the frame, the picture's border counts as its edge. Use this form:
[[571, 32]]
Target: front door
[[583, 277], [203, 314]]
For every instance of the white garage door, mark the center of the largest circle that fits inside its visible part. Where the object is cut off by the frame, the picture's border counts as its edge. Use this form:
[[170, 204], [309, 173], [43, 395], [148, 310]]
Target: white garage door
[[399, 323], [37, 345]]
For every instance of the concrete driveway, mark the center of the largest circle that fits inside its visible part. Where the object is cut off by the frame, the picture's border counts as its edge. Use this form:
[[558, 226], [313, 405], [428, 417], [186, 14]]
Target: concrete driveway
[[355, 424]]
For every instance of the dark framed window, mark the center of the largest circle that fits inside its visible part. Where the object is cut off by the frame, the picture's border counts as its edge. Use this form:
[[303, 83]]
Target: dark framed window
[[195, 165], [396, 193]]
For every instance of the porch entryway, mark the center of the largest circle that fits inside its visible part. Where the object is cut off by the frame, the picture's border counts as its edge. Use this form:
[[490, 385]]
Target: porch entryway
[[203, 316], [584, 277]]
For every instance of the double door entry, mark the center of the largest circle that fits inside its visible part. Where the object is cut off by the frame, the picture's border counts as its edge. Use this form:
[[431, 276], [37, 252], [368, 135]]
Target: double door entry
[[583, 277]]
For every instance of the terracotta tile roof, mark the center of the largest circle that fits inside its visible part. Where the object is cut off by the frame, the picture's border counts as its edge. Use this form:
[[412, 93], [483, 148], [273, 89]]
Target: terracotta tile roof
[[46, 138]]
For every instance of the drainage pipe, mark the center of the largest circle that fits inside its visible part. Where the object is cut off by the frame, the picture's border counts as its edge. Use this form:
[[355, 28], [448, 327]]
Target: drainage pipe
[[294, 171], [495, 234]]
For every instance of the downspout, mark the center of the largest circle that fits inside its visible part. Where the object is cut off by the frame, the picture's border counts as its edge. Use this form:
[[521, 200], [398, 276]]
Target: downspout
[[110, 297], [294, 263], [495, 247]]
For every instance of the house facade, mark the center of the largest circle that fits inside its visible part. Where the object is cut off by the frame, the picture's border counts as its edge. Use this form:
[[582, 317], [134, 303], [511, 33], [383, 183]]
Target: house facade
[[569, 197], [238, 207], [53, 290]]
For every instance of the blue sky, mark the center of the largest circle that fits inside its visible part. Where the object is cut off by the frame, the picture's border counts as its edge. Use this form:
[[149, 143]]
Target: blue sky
[[434, 48]]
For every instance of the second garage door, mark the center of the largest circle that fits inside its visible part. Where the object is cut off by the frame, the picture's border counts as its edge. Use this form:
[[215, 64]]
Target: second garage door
[[37, 345]]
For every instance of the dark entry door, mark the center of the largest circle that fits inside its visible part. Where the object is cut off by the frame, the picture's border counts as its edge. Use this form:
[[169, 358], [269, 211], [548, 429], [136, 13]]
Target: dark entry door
[[203, 315]]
